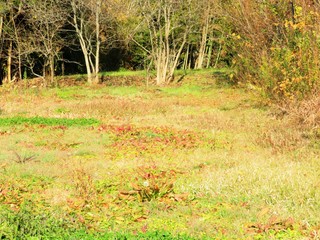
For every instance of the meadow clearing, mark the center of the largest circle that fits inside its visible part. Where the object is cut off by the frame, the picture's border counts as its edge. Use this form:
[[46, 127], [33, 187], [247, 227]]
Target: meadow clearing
[[194, 161]]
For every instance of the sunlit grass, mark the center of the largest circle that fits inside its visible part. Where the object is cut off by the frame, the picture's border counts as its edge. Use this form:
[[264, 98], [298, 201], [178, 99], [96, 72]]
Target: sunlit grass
[[238, 172], [124, 73]]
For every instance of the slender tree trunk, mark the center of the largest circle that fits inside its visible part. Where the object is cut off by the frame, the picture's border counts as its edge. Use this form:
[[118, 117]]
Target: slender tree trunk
[[19, 53], [51, 65], [87, 62], [44, 74], [97, 57], [79, 30], [161, 66], [202, 50], [62, 65], [85, 54], [18, 42], [1, 26], [19, 64], [292, 11], [9, 63], [210, 53], [177, 57], [186, 59]]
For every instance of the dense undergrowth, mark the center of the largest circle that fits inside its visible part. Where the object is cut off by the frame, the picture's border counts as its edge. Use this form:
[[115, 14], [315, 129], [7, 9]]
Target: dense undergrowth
[[278, 47]]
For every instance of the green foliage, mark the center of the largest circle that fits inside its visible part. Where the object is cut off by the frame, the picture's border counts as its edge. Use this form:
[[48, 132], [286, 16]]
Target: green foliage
[[9, 121], [278, 53], [291, 72], [3, 7], [30, 221]]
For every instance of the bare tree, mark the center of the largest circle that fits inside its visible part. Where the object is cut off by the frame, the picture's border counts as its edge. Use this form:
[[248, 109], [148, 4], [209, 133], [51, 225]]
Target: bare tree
[[13, 35], [87, 23], [46, 21], [205, 15], [169, 23], [3, 11]]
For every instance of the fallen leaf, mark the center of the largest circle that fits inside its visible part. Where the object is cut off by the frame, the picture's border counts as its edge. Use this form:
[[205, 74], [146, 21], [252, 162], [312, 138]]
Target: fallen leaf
[[144, 228], [140, 219], [263, 212]]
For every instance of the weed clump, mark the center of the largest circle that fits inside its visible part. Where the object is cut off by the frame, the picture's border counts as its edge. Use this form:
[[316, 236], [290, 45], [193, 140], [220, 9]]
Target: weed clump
[[31, 222], [151, 183]]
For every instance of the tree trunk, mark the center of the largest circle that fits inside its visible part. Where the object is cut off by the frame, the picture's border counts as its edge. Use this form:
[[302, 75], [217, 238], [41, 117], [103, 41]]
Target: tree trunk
[[44, 74], [186, 59], [9, 63], [97, 57], [161, 67], [19, 64], [292, 11], [210, 53], [86, 56], [51, 63], [91, 55], [177, 56], [87, 61], [79, 30], [17, 42], [202, 50], [1, 26]]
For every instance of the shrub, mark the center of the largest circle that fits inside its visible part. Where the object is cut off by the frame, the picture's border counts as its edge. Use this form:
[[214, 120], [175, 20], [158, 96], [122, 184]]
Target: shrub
[[277, 47]]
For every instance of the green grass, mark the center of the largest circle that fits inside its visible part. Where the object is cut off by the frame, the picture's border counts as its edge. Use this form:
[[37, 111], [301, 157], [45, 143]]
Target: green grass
[[195, 161], [124, 73], [75, 93], [29, 223], [11, 121], [143, 73], [123, 91], [184, 90]]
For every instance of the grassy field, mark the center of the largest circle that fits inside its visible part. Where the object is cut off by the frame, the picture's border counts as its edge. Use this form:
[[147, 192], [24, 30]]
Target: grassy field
[[195, 161]]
